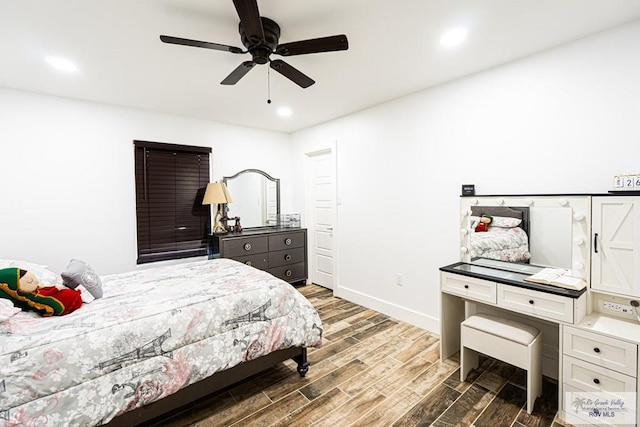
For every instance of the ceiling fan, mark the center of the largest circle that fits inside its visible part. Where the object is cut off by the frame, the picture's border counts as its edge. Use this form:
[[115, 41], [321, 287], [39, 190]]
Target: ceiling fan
[[260, 36]]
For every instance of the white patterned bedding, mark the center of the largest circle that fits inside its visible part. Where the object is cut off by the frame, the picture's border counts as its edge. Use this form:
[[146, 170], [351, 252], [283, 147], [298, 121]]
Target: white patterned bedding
[[506, 244], [154, 332]]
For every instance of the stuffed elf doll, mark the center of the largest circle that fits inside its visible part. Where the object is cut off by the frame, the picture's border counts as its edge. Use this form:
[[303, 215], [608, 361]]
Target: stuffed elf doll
[[23, 288], [483, 223]]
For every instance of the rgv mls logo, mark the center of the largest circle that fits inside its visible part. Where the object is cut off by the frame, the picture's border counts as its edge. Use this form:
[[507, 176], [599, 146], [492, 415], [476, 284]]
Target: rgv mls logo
[[604, 408]]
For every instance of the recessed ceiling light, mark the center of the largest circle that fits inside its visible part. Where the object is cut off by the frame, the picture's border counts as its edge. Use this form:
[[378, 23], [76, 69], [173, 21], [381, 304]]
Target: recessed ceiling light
[[284, 111], [61, 64], [454, 37]]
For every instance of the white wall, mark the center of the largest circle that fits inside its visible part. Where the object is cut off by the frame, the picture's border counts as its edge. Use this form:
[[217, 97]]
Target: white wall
[[562, 121], [67, 177]]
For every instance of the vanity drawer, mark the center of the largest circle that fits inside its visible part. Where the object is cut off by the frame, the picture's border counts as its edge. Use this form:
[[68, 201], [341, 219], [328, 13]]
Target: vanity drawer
[[286, 240], [601, 350], [258, 261], [291, 256], [243, 246], [592, 378], [469, 287], [290, 273], [534, 303]]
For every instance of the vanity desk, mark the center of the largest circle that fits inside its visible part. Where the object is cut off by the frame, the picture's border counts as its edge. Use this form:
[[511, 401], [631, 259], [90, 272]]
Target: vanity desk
[[590, 337], [491, 286]]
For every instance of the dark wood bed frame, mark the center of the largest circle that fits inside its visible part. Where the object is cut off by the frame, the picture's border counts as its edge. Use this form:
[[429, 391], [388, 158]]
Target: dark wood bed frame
[[210, 385]]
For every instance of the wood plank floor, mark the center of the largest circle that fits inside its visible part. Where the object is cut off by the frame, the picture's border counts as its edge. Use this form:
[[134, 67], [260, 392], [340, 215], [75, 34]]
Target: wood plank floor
[[373, 370]]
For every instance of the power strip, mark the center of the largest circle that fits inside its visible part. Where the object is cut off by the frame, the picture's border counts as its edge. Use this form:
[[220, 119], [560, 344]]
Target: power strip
[[620, 308]]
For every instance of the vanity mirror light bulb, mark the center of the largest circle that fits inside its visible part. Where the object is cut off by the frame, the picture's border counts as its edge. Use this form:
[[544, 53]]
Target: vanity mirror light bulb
[[475, 201], [578, 265], [464, 249], [528, 202], [465, 231], [563, 202], [579, 241], [464, 212], [578, 216], [500, 202]]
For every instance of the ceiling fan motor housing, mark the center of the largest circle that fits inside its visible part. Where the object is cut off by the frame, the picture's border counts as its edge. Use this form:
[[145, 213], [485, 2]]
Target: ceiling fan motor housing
[[261, 49]]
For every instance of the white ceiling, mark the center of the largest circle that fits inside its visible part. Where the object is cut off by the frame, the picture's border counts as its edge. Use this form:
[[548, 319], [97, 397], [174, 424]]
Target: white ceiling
[[393, 50]]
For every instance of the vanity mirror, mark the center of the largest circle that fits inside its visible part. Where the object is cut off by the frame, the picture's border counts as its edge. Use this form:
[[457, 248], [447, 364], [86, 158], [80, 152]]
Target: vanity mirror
[[256, 198], [555, 227]]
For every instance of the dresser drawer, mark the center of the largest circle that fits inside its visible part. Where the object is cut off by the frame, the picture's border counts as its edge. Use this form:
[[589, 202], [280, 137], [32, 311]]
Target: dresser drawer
[[286, 240], [259, 261], [291, 256], [290, 273], [586, 376], [243, 246], [534, 303], [469, 287], [601, 350]]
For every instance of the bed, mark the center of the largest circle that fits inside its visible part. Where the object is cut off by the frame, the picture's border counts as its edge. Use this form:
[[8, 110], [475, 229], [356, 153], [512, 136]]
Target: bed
[[507, 238], [159, 338]]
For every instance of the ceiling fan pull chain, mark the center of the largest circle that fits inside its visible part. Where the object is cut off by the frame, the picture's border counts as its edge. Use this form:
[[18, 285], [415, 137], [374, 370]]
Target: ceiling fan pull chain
[[269, 85]]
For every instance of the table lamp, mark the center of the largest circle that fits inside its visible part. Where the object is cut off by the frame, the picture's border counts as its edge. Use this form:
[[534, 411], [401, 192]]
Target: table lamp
[[217, 193]]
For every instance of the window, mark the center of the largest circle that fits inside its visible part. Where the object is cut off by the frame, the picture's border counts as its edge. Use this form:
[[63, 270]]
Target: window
[[170, 182]]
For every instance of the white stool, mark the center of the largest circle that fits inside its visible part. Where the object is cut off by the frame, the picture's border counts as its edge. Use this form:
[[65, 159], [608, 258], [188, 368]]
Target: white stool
[[512, 342]]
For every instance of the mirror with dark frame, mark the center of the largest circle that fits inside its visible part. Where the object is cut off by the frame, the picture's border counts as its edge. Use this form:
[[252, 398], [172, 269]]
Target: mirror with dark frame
[[552, 231], [256, 198]]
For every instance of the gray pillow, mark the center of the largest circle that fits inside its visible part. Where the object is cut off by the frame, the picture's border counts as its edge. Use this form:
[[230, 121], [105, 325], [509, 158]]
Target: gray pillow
[[80, 273]]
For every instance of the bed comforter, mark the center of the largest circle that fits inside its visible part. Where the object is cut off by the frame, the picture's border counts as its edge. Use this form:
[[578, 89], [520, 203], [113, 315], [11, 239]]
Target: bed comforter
[[505, 244], [155, 332]]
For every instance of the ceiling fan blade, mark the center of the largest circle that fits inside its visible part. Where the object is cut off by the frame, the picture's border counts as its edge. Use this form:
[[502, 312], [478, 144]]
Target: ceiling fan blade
[[238, 73], [322, 44], [291, 73], [196, 43], [250, 19]]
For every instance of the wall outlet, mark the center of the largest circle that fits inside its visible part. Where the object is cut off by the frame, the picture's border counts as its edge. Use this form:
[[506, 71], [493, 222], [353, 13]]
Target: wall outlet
[[399, 279], [614, 306]]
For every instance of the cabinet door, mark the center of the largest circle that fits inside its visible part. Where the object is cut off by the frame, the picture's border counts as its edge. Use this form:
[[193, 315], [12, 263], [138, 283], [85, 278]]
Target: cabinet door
[[616, 245]]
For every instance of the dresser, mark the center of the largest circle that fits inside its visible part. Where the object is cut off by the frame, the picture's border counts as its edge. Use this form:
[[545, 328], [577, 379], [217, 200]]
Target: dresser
[[280, 251]]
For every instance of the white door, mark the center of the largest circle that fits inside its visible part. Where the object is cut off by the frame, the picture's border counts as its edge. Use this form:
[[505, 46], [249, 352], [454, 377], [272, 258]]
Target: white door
[[321, 210], [616, 245]]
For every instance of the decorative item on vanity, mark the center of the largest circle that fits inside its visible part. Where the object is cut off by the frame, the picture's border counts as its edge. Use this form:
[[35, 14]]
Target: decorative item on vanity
[[627, 182], [468, 190], [217, 193]]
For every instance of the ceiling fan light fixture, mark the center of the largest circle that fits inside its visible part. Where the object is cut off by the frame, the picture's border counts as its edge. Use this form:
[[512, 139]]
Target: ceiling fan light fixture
[[61, 64], [454, 37]]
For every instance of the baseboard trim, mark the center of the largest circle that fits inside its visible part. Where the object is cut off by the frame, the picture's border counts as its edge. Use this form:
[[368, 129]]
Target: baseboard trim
[[404, 314]]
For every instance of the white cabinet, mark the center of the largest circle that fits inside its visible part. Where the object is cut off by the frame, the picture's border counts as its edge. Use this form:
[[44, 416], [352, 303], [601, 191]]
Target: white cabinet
[[598, 367], [616, 245]]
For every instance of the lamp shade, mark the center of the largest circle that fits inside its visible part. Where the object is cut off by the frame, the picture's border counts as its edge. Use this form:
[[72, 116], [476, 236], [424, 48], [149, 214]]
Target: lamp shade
[[216, 192]]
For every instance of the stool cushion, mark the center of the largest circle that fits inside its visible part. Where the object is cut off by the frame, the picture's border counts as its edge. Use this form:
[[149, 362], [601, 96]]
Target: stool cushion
[[500, 327]]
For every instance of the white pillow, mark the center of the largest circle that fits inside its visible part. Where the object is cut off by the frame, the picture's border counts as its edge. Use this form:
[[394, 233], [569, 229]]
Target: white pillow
[[505, 222], [7, 309], [44, 275]]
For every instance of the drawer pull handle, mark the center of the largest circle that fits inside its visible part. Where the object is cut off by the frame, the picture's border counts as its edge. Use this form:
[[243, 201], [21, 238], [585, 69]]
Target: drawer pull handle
[[531, 301], [597, 350], [597, 381], [466, 286], [287, 242], [248, 263], [247, 246], [287, 257], [288, 273]]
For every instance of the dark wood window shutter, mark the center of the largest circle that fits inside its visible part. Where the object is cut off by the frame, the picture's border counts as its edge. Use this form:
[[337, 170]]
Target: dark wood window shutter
[[170, 183]]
